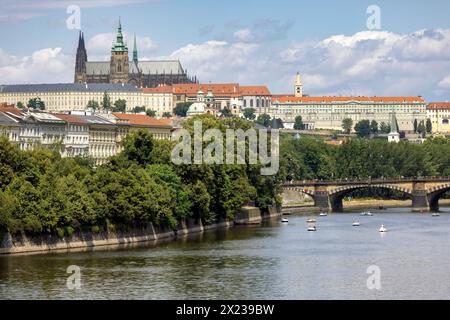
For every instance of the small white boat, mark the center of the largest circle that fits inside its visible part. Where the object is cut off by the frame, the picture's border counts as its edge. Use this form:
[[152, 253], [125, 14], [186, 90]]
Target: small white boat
[[367, 213], [311, 221], [383, 229], [312, 228], [435, 214], [323, 214], [284, 220], [356, 224]]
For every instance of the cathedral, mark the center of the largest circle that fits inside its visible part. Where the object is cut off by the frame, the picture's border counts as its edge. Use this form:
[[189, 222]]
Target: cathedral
[[121, 70]]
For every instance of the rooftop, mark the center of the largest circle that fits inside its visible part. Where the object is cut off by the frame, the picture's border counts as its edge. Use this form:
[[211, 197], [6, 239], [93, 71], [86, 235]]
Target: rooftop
[[69, 87], [438, 105], [255, 91], [292, 99], [140, 120], [223, 89], [159, 89], [70, 118]]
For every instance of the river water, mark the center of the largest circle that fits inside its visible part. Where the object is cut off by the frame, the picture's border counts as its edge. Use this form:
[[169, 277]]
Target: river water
[[271, 261]]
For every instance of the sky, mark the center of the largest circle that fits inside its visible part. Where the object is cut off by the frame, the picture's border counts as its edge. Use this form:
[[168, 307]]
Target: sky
[[337, 46]]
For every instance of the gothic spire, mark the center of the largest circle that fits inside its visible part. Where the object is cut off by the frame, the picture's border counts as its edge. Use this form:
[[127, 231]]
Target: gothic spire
[[135, 53], [119, 45]]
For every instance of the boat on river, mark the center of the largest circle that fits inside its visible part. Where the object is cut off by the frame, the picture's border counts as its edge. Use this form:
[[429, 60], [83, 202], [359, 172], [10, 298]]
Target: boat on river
[[356, 224], [284, 220], [323, 214], [435, 214], [312, 228], [312, 220], [383, 229]]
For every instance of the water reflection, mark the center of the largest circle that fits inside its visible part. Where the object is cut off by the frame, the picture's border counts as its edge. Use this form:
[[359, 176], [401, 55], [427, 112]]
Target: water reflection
[[272, 261]]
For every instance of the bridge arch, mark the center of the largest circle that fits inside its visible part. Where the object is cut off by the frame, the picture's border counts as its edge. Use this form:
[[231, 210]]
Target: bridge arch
[[293, 196], [435, 194], [336, 195]]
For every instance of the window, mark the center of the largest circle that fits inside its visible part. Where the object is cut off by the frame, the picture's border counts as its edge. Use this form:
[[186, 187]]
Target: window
[[444, 121]]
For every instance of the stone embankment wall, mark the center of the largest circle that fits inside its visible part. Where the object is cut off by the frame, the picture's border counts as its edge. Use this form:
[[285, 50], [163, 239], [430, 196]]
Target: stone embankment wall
[[23, 244]]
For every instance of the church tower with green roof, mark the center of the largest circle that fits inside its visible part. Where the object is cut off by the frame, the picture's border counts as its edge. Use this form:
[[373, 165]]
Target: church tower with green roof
[[119, 59]]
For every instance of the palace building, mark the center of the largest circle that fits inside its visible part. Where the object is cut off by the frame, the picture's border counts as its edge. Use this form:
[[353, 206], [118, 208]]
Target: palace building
[[328, 112], [439, 115], [120, 69]]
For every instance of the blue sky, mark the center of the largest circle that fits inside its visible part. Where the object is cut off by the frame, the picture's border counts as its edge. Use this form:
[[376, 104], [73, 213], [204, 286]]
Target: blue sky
[[249, 41]]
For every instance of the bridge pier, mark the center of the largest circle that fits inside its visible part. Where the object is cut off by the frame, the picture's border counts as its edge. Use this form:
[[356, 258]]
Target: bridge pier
[[322, 198], [420, 202]]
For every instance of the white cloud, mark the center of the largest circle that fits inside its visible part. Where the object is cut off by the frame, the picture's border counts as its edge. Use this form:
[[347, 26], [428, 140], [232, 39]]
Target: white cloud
[[43, 66], [445, 83], [366, 63], [243, 35], [217, 59]]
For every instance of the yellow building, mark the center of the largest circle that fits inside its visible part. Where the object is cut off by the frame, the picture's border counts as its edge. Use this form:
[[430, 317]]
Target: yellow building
[[439, 114], [159, 99], [63, 97]]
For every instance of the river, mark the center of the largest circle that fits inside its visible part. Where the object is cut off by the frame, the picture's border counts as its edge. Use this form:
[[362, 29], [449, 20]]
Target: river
[[271, 261]]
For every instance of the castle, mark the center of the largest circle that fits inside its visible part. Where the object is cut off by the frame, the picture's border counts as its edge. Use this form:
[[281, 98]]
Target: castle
[[121, 70]]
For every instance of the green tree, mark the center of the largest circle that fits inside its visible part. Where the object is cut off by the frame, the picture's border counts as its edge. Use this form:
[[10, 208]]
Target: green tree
[[421, 129], [415, 125], [249, 113], [167, 115], [374, 127], [106, 102], [120, 105], [182, 108], [428, 126], [277, 123], [298, 125], [94, 105], [150, 113], [264, 120], [347, 125], [385, 128], [20, 105], [138, 146], [226, 112], [363, 128], [36, 104], [138, 109]]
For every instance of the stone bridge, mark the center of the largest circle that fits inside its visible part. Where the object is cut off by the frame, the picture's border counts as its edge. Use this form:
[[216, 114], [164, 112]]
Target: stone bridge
[[425, 192]]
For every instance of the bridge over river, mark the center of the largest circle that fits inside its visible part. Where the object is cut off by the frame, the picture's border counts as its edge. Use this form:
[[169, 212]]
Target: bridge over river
[[425, 192]]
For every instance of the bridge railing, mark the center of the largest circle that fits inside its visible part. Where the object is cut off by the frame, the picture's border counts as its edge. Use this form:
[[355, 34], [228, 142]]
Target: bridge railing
[[367, 181]]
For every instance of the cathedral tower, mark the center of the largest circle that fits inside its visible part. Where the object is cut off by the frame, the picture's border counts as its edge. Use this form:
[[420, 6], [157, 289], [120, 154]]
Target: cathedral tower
[[80, 61], [119, 66], [298, 86]]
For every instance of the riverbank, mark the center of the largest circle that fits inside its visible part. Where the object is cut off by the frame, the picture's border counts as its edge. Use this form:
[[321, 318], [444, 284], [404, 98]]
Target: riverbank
[[87, 241]]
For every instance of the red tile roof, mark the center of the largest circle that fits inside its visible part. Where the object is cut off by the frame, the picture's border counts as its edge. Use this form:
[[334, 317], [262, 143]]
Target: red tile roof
[[159, 89], [11, 109], [224, 89], [293, 99], [255, 91], [438, 105], [140, 120], [69, 118], [6, 105]]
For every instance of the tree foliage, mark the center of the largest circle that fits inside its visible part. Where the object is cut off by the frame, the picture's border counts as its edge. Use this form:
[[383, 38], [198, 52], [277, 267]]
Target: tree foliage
[[347, 125], [42, 193], [298, 125], [182, 108], [120, 105]]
